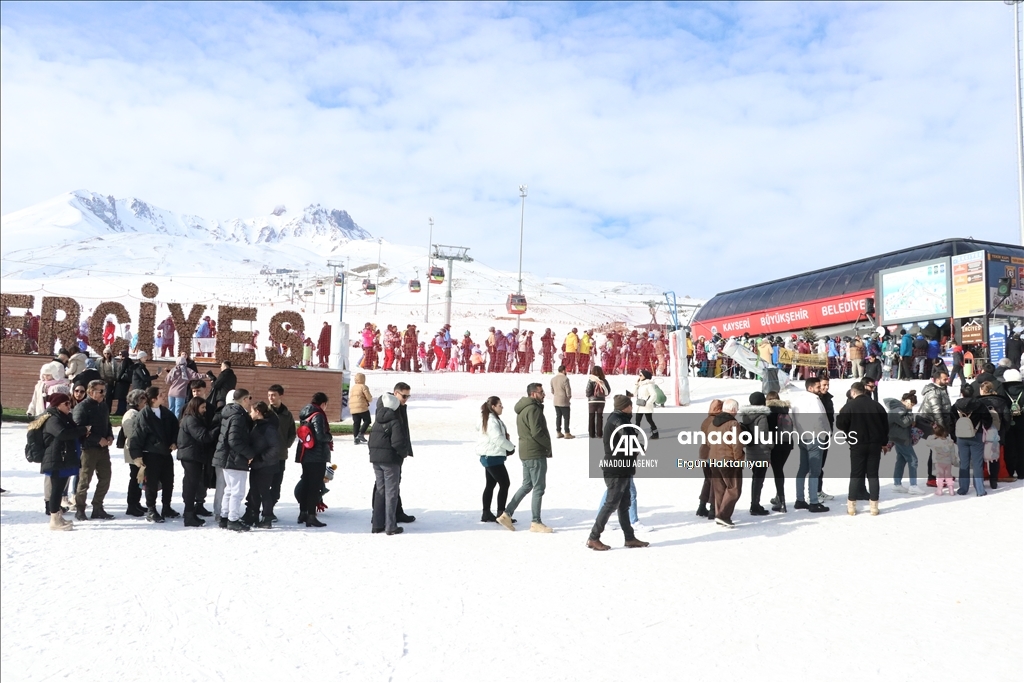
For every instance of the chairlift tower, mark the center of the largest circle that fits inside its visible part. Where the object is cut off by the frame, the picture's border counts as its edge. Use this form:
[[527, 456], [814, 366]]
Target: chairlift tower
[[450, 254]]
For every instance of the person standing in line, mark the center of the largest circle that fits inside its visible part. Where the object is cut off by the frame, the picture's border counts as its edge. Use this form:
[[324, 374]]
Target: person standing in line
[[359, 399], [570, 347], [93, 413], [60, 459], [618, 480], [706, 494], [390, 444], [314, 458], [286, 438], [124, 367], [1000, 405], [137, 400], [108, 374], [868, 422], [1013, 442], [645, 398], [810, 422], [756, 418], [494, 448], [972, 419], [177, 381], [958, 365], [223, 385], [154, 437], [323, 345], [944, 453], [901, 419], [233, 456], [597, 391], [781, 424], [726, 480], [826, 399], [195, 451], [561, 394], [936, 408], [534, 450], [266, 445], [141, 379]]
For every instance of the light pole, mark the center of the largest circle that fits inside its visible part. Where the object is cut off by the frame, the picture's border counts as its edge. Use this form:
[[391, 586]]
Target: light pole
[[376, 286], [522, 216], [430, 243], [1020, 116]]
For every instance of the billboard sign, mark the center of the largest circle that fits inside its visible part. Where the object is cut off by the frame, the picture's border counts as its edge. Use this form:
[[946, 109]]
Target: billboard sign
[[1000, 266], [818, 313], [969, 285], [915, 293]]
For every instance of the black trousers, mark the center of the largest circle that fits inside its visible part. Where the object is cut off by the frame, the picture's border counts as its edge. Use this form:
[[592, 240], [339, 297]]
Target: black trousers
[[864, 461], [159, 474], [616, 499], [360, 423], [134, 491], [496, 475], [191, 483], [312, 483], [650, 421], [906, 371], [561, 413], [756, 484], [275, 486], [595, 420], [821, 477], [57, 484], [779, 458], [261, 484]]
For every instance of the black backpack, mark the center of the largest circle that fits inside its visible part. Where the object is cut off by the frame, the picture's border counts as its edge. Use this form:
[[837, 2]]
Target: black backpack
[[35, 448]]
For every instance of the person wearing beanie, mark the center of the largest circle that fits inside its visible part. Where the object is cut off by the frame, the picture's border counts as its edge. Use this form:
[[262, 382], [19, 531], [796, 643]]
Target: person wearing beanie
[[60, 457], [755, 418], [625, 406], [645, 398], [618, 472]]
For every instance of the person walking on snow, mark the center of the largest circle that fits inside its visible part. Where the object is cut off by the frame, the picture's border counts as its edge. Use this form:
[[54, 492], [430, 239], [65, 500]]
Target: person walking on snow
[[534, 450], [493, 447], [561, 394], [645, 398]]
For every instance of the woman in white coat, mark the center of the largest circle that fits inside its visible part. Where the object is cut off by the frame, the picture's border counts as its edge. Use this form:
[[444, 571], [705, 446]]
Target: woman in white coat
[[493, 447], [645, 398]]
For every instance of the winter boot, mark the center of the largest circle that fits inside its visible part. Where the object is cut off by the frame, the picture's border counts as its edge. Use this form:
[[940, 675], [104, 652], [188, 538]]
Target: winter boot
[[153, 516], [874, 508], [265, 523], [170, 512], [540, 528], [192, 520], [135, 511], [505, 521], [569, 436], [403, 518], [80, 514], [596, 544], [636, 543], [560, 435], [778, 505], [851, 507], [222, 522], [99, 513], [58, 523], [303, 516], [702, 511], [201, 511], [758, 510], [654, 434], [312, 521], [488, 516], [237, 526]]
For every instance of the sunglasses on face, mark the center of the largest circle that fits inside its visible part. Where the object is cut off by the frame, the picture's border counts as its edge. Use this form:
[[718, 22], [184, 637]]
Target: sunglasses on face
[[405, 396]]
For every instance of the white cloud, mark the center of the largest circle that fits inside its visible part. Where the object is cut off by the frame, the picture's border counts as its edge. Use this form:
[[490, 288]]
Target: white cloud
[[700, 148]]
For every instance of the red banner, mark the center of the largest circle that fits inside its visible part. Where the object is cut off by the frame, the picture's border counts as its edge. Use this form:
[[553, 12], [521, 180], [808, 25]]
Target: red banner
[[821, 313]]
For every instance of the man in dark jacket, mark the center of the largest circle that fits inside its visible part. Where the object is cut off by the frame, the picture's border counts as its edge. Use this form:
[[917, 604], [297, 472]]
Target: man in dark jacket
[[286, 432], [390, 443], [232, 458], [872, 368], [619, 467], [830, 413], [1014, 350], [1013, 447], [154, 436], [93, 412], [223, 385], [534, 450], [867, 423], [755, 418], [141, 379], [314, 457], [124, 367]]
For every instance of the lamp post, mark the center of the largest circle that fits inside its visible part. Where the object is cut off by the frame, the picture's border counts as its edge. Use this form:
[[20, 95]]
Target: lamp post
[[376, 286], [430, 243], [522, 216], [1020, 123]]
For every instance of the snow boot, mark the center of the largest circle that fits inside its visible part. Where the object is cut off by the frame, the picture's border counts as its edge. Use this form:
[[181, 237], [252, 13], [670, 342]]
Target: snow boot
[[596, 544], [758, 511], [237, 526], [636, 543], [488, 516], [505, 521], [99, 513], [222, 522], [851, 507], [265, 523], [654, 434], [193, 520], [778, 505], [135, 511], [403, 518], [170, 512], [874, 508], [397, 530], [80, 514], [312, 521], [58, 523], [201, 511], [153, 516], [702, 511]]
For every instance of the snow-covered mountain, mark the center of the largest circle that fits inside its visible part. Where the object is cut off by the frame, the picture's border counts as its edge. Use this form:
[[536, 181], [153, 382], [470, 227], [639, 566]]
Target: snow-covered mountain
[[95, 246]]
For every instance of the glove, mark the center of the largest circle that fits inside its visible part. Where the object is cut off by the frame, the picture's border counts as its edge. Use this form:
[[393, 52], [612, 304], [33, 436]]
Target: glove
[[321, 506]]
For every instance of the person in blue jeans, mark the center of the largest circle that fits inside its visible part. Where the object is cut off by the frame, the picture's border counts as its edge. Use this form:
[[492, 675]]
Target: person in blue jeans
[[813, 434], [634, 519], [971, 418]]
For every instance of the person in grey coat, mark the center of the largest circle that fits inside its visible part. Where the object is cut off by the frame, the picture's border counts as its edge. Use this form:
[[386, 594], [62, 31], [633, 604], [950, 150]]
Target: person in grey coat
[[390, 444], [754, 418]]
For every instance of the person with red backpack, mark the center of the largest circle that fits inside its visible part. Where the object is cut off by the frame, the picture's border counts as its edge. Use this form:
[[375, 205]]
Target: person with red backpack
[[313, 451]]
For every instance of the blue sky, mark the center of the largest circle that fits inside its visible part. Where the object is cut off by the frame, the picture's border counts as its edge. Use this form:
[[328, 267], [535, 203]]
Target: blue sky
[[698, 147]]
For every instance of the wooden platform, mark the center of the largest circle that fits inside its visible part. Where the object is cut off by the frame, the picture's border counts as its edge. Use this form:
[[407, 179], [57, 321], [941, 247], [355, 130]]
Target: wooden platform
[[19, 374]]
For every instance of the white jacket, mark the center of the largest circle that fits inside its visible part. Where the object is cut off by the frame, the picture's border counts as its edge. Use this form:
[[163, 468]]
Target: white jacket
[[808, 414], [645, 391], [494, 442]]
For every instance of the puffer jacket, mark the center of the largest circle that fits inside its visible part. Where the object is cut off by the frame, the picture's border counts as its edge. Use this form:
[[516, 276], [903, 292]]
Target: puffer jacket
[[780, 421], [724, 423], [619, 464], [645, 391], [152, 434], [756, 421], [936, 406], [390, 441], [493, 442], [266, 442], [195, 440], [534, 438], [128, 427], [359, 397], [60, 438], [321, 451], [900, 421], [93, 414], [234, 447]]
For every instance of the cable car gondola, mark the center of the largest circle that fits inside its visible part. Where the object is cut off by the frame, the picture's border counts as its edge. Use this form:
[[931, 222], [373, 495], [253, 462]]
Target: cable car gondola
[[308, 292], [323, 291], [369, 287], [436, 275], [516, 304], [414, 285], [339, 280]]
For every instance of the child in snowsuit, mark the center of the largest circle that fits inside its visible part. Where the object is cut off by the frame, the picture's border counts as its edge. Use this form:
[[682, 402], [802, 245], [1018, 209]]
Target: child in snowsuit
[[944, 458]]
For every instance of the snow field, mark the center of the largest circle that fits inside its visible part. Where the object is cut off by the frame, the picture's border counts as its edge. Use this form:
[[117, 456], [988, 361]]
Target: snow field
[[783, 597]]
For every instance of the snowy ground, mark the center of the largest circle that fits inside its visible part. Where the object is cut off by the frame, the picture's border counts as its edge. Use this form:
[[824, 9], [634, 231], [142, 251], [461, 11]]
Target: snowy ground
[[906, 595]]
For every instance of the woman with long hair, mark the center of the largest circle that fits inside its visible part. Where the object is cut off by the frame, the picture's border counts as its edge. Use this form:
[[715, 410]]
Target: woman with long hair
[[598, 390], [266, 443], [196, 442], [493, 448]]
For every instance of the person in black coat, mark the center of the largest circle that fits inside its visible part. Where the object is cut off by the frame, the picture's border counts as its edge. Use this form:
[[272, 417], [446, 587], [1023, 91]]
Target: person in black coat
[[617, 477], [195, 452], [123, 369], [266, 444], [1014, 350], [223, 385], [60, 460], [233, 456], [867, 422], [286, 434], [390, 444], [872, 368], [154, 437], [313, 456], [141, 379]]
